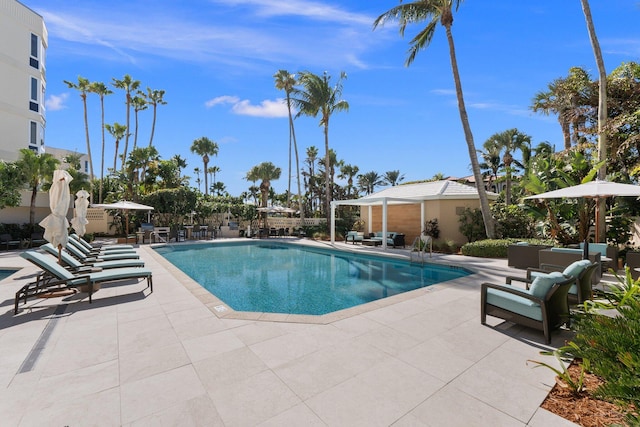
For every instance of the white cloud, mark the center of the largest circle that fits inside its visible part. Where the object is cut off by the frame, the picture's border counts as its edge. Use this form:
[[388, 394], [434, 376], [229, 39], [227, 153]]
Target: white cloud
[[56, 102], [267, 108]]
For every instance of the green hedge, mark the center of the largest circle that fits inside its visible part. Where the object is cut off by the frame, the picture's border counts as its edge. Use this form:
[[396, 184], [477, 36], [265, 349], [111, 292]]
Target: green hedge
[[496, 248]]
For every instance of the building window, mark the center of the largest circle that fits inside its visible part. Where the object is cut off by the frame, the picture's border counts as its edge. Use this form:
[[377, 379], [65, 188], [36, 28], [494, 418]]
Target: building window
[[33, 133], [86, 166], [33, 104], [35, 48]]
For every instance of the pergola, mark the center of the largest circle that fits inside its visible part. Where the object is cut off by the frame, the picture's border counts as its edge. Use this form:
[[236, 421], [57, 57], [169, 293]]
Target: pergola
[[407, 194]]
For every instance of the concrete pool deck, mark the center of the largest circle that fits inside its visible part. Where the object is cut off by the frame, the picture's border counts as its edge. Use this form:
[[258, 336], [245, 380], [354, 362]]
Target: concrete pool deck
[[170, 358]]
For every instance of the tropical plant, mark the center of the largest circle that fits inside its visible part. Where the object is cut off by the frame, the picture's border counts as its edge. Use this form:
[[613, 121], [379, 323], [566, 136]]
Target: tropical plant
[[508, 142], [431, 228], [11, 180], [84, 86], [198, 180], [36, 170], [205, 147], [265, 172], [471, 224], [491, 161], [117, 131], [128, 85], [317, 96], [369, 181], [348, 172], [154, 98], [101, 90], [434, 12], [393, 178]]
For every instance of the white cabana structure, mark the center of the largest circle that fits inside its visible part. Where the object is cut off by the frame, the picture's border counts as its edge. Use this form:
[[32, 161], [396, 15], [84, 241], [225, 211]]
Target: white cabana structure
[[411, 203]]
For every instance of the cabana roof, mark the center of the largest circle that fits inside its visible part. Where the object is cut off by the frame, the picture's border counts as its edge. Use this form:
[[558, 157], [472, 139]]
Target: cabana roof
[[415, 193]]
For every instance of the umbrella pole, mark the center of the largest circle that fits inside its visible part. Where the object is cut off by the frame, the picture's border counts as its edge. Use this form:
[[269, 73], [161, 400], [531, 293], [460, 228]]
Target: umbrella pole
[[59, 254]]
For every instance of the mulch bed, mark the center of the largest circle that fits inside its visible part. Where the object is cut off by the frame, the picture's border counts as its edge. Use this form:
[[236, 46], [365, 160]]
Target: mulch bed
[[582, 409]]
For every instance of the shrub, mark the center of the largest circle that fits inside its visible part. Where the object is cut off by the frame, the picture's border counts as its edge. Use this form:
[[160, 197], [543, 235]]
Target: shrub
[[496, 248], [472, 224], [431, 228], [512, 221]]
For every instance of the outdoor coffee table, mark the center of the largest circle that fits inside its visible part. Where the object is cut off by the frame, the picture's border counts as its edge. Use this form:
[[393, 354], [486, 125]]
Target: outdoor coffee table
[[371, 242]]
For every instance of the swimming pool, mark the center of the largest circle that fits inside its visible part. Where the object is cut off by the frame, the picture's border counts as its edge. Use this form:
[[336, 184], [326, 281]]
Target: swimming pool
[[6, 272], [270, 277]]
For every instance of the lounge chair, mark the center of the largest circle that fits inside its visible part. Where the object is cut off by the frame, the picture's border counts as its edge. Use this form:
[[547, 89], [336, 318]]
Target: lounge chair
[[582, 271], [37, 239], [544, 306], [7, 241], [91, 258], [99, 252], [354, 237], [78, 266], [91, 247], [59, 279]]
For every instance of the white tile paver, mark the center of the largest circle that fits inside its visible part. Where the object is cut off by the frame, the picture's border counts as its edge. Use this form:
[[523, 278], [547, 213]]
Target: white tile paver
[[136, 358]]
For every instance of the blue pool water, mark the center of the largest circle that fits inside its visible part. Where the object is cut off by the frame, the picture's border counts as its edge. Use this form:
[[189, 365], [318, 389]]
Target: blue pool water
[[5, 272], [283, 278]]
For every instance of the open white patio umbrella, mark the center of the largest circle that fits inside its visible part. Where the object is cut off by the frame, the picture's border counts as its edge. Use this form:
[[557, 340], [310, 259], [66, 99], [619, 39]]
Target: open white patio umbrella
[[79, 221], [125, 206], [56, 225], [595, 190]]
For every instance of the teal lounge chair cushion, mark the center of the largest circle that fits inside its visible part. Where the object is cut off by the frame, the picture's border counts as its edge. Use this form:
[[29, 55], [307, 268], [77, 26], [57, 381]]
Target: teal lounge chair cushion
[[543, 283], [575, 268], [514, 303]]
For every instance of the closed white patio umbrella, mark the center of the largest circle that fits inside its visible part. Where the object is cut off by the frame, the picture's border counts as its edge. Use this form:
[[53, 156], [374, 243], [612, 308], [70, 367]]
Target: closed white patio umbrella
[[79, 221], [56, 225]]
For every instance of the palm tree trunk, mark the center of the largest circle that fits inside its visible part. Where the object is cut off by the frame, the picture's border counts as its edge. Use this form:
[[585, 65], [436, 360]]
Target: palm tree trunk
[[126, 136], [102, 156], [484, 201], [295, 149], [86, 130], [327, 176], [602, 117], [153, 125]]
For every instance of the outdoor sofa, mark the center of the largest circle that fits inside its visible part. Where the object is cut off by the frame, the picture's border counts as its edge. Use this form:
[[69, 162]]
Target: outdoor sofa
[[523, 255], [354, 237], [393, 239], [563, 257]]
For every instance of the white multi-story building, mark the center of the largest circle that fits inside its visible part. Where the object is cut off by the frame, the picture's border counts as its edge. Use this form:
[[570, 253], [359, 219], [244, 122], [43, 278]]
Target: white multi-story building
[[23, 43]]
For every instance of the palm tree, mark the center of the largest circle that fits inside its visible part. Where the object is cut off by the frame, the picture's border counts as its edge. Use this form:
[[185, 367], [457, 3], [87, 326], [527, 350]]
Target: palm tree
[[213, 170], [317, 96], [101, 90], [491, 160], [36, 169], [510, 141], [155, 98], [139, 104], [129, 85], [265, 172], [198, 180], [180, 162], [287, 81], [117, 131], [312, 156], [348, 172], [368, 181], [205, 147], [434, 11], [84, 86], [393, 178], [602, 116]]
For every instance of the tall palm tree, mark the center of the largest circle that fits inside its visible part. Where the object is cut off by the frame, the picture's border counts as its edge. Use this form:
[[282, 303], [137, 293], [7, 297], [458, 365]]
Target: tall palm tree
[[434, 12], [117, 131], [180, 162], [101, 90], [213, 170], [139, 104], [287, 81], [36, 169], [265, 172], [154, 98], [393, 178], [205, 147], [128, 85], [602, 116], [317, 96], [368, 181], [348, 172], [84, 87], [312, 156], [509, 142]]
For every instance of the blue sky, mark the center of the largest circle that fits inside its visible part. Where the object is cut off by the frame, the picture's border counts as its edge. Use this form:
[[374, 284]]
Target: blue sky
[[216, 59]]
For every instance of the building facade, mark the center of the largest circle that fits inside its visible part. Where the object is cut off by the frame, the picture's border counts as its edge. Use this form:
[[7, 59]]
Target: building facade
[[23, 44]]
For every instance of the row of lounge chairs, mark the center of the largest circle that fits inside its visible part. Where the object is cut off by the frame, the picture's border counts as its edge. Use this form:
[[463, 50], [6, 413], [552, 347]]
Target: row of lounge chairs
[[80, 267]]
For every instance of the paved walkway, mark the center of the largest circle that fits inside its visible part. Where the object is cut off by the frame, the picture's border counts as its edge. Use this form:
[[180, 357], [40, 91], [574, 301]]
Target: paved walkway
[[138, 359]]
